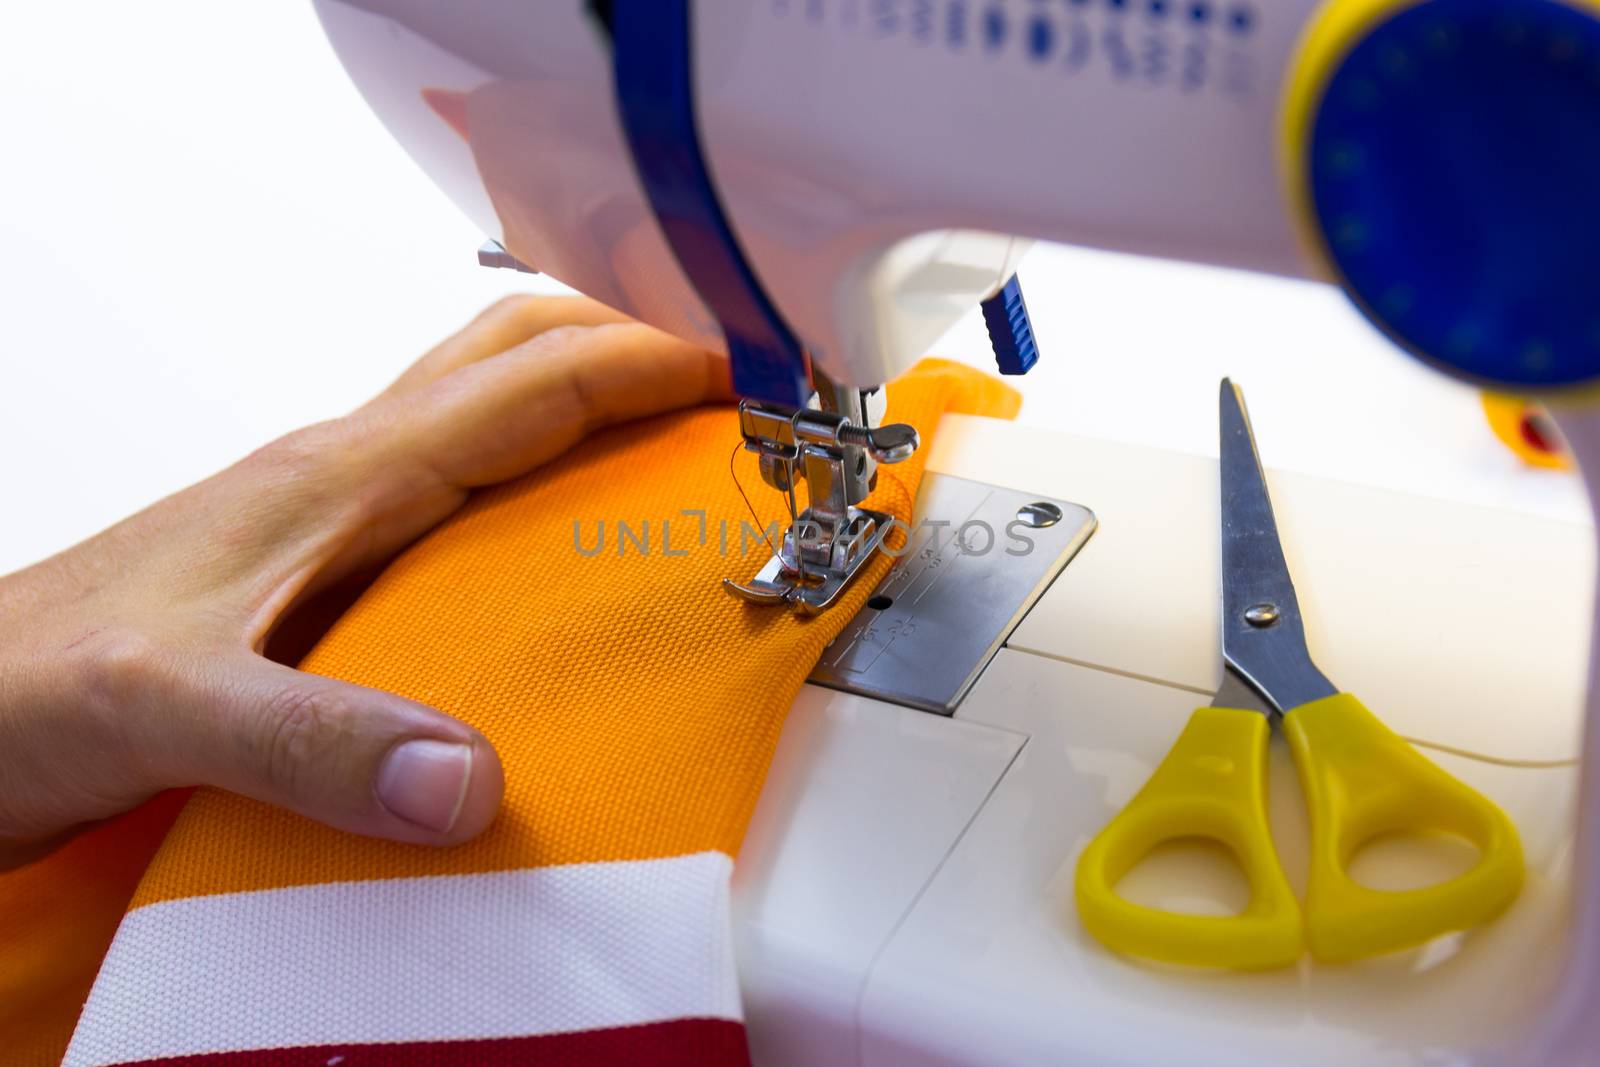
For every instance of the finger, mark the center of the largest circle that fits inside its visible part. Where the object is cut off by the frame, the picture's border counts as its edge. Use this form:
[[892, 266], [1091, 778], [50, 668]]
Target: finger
[[354, 758], [503, 416], [412, 459], [502, 325], [338, 497]]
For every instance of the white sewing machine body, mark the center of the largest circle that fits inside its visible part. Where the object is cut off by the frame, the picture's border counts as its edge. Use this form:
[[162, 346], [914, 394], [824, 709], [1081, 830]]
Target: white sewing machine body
[[904, 897], [905, 893], [870, 232]]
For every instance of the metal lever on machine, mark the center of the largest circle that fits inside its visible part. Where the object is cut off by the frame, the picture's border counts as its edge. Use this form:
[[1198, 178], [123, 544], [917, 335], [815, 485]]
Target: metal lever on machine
[[837, 457]]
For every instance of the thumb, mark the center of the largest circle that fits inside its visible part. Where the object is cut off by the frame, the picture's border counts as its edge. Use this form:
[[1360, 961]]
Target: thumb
[[357, 759]]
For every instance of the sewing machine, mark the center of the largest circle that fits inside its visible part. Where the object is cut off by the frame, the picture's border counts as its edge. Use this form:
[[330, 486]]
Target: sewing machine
[[776, 179]]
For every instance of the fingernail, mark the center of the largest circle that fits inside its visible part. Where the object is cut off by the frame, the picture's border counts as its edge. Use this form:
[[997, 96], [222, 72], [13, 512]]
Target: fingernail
[[425, 782]]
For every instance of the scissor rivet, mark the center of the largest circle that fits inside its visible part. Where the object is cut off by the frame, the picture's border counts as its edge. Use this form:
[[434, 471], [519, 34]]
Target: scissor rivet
[[1261, 615]]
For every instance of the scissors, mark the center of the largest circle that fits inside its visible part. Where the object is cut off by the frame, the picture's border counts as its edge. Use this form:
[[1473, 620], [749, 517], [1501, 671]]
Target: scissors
[[1361, 781]]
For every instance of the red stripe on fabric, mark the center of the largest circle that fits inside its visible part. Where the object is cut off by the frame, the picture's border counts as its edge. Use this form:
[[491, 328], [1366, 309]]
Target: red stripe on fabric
[[676, 1043]]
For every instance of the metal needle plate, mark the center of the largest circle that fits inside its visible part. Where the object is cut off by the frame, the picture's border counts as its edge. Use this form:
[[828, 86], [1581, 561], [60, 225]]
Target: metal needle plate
[[937, 618]]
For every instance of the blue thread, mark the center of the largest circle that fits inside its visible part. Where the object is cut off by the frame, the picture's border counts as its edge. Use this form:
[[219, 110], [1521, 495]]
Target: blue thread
[[654, 85], [1453, 167], [1241, 20]]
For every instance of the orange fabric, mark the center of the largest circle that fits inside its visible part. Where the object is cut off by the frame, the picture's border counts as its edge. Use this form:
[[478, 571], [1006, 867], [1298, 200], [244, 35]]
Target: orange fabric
[[635, 705], [57, 917]]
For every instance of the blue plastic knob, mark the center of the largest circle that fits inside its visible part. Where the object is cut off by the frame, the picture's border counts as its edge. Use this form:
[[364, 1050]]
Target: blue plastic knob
[[1454, 169], [1010, 331]]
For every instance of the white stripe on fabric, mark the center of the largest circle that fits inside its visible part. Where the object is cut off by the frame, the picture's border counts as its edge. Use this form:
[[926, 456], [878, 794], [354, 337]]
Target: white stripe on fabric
[[544, 950]]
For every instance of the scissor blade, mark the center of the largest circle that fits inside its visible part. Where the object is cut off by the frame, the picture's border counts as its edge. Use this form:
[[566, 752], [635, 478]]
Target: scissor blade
[[1263, 639]]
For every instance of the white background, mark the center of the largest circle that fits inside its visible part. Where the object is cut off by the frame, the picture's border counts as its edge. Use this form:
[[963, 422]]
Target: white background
[[206, 240]]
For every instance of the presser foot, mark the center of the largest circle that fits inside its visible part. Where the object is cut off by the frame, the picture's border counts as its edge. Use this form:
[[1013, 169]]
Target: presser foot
[[815, 564]]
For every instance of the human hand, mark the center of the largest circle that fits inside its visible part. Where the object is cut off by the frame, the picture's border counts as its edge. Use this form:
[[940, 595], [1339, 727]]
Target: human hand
[[132, 663]]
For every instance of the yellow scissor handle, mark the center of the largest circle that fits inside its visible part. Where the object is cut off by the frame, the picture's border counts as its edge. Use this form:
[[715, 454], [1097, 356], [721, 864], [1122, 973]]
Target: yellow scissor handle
[[1362, 781], [1212, 785]]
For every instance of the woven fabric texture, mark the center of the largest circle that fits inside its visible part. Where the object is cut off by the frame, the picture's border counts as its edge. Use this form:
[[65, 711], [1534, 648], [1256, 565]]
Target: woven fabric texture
[[634, 704]]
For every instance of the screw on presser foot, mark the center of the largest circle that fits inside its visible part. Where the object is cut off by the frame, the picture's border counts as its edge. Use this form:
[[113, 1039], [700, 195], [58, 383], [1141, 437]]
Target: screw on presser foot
[[887, 444]]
